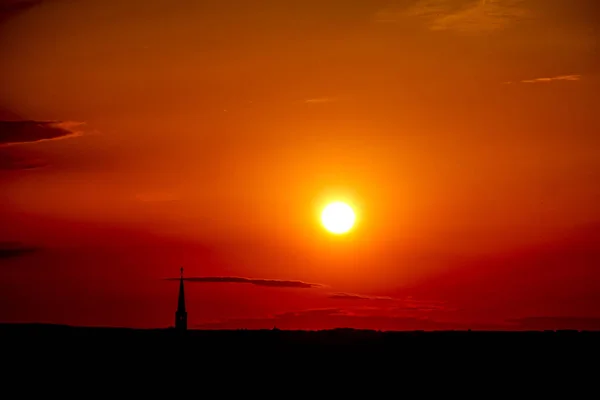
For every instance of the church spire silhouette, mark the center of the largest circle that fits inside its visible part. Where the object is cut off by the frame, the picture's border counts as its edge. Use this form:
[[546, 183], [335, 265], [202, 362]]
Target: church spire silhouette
[[181, 314]]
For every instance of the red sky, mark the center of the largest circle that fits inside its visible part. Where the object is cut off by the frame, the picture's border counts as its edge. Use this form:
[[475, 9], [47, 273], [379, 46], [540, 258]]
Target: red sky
[[139, 137]]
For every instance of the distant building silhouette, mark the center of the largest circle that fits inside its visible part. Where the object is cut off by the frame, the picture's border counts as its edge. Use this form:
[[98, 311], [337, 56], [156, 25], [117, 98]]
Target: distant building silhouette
[[181, 314]]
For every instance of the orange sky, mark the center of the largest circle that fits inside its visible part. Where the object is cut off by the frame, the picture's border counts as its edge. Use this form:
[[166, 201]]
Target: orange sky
[[208, 134]]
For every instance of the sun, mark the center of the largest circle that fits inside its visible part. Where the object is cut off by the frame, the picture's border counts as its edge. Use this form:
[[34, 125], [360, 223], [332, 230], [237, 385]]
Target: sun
[[338, 217]]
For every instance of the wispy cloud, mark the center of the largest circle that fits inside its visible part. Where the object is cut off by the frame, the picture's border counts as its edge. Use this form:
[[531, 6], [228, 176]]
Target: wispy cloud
[[251, 281], [555, 78], [466, 16], [397, 304], [354, 296], [21, 132], [571, 78], [320, 100], [432, 8], [411, 304]]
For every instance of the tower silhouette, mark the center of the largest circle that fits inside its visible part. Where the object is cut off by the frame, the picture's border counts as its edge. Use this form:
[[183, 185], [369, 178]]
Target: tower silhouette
[[181, 314]]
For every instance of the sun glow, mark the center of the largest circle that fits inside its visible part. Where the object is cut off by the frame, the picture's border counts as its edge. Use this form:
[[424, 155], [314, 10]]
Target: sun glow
[[338, 218]]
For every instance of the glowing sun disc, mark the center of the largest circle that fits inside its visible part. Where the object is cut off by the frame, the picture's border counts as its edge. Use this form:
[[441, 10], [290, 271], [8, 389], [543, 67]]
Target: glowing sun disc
[[338, 218]]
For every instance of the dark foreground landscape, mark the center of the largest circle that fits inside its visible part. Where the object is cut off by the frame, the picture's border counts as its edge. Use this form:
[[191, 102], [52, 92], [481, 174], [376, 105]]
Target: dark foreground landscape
[[311, 359], [336, 341]]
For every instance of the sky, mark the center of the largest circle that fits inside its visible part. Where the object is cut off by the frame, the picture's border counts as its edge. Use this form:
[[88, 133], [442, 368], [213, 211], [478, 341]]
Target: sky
[[138, 137]]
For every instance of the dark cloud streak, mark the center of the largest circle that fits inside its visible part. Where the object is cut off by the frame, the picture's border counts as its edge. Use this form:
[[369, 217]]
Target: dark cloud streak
[[13, 250], [251, 281], [401, 304], [354, 296], [20, 132], [10, 8]]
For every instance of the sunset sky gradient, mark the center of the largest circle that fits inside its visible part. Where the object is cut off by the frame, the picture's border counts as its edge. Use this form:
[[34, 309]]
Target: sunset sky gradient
[[137, 137]]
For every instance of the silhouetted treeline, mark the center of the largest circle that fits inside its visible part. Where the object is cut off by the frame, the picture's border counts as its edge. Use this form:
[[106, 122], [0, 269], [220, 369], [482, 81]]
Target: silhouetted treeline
[[342, 339], [100, 354]]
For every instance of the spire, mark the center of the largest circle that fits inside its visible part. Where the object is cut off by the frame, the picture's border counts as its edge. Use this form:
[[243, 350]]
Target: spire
[[181, 314], [181, 302]]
